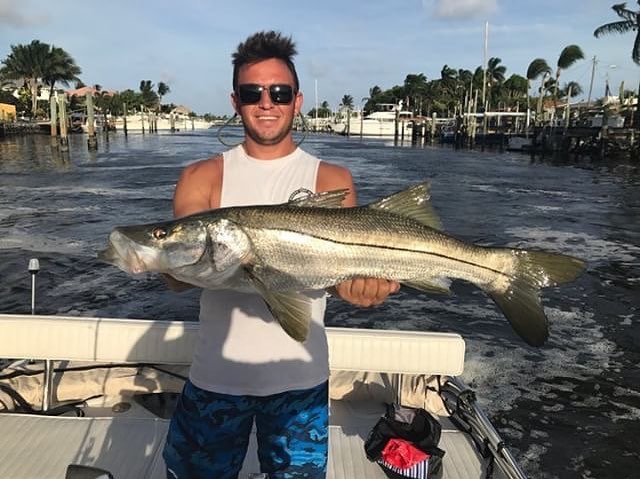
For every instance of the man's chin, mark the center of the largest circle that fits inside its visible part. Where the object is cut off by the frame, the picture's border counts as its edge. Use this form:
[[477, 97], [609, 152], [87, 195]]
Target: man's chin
[[267, 139]]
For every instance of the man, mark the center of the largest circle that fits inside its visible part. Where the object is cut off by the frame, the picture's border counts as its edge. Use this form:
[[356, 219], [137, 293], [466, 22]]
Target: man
[[245, 367]]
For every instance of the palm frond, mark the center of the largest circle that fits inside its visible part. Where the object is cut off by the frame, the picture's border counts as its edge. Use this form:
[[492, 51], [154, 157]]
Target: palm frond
[[622, 26], [623, 12], [569, 55], [537, 67]]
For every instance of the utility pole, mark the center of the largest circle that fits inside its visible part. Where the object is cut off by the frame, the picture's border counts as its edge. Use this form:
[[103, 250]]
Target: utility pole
[[593, 72]]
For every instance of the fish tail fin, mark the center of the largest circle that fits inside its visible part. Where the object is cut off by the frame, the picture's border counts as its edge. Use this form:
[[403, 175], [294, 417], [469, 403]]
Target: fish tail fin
[[520, 302]]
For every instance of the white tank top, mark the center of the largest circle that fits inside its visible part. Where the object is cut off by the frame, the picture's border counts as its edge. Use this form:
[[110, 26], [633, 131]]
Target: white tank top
[[241, 348]]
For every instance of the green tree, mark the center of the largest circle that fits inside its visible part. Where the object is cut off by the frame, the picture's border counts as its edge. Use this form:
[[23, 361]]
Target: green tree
[[372, 99], [515, 88], [569, 55], [495, 77], [538, 67], [163, 89], [39, 62], [27, 62], [347, 102], [59, 68], [630, 23], [571, 89], [148, 97], [324, 111], [130, 98], [415, 86]]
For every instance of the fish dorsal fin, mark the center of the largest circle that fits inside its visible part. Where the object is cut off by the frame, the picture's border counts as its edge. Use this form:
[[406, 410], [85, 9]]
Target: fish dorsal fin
[[325, 199], [412, 203]]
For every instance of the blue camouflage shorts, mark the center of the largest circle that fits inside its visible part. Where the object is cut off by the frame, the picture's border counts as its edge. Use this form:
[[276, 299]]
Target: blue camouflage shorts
[[209, 434]]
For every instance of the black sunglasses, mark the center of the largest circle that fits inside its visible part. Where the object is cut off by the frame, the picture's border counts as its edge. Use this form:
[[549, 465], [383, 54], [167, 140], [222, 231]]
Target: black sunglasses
[[251, 93]]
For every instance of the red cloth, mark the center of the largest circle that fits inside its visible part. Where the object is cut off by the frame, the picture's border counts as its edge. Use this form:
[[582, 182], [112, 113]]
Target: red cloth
[[402, 454]]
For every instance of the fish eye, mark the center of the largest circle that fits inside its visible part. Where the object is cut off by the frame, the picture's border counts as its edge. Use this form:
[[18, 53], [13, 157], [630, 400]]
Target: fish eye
[[159, 233]]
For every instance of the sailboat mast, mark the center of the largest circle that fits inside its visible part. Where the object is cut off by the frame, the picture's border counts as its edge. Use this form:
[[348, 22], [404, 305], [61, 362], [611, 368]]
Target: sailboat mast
[[484, 64]]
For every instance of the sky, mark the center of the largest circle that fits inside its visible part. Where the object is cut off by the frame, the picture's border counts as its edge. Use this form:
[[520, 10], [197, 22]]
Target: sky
[[344, 47]]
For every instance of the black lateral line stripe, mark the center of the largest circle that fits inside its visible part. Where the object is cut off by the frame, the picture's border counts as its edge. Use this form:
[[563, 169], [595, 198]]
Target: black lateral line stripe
[[392, 248]]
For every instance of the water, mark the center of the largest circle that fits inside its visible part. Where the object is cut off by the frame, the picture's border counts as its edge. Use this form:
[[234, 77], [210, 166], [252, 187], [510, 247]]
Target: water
[[569, 409]]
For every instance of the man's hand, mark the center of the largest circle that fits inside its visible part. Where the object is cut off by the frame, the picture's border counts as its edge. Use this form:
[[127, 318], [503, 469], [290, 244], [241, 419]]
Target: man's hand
[[366, 292]]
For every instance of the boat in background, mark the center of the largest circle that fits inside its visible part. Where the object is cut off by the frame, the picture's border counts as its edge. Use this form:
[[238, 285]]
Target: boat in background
[[162, 121], [384, 121]]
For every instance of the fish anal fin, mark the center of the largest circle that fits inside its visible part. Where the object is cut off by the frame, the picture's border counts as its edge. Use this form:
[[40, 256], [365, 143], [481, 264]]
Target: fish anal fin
[[411, 203], [430, 286], [522, 307], [521, 303]]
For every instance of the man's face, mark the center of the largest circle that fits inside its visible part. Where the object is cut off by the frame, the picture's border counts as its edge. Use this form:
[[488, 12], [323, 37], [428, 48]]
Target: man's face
[[266, 122]]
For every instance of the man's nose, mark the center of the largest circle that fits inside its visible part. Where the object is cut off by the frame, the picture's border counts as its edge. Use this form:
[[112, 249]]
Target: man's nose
[[265, 99]]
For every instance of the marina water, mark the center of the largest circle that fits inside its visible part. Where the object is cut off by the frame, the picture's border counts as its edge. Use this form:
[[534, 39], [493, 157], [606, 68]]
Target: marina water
[[570, 409]]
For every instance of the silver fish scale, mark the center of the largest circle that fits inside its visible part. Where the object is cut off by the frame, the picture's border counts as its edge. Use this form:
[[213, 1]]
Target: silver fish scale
[[312, 248]]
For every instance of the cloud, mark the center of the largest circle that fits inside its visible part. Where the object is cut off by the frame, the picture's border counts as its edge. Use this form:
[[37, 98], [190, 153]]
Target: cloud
[[460, 8], [11, 15]]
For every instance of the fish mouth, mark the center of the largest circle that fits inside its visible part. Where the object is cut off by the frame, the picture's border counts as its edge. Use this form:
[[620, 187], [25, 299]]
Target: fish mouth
[[121, 254]]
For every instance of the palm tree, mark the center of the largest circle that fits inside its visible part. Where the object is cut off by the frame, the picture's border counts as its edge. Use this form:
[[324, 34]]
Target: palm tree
[[347, 103], [163, 89], [630, 22], [537, 67], [415, 87], [571, 89], [59, 68], [27, 62], [569, 55], [495, 74], [148, 97]]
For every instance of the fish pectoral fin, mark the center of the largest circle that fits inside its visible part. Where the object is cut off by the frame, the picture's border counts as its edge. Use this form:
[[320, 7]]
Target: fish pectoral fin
[[291, 309], [293, 312], [411, 203], [325, 199], [438, 286]]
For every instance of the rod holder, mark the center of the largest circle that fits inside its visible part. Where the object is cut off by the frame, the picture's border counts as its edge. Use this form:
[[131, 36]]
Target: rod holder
[[47, 386]]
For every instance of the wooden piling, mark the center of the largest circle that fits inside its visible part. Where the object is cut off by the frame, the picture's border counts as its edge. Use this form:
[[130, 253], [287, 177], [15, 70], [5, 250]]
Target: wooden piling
[[172, 122], [124, 112], [53, 103], [434, 115], [64, 123], [92, 140]]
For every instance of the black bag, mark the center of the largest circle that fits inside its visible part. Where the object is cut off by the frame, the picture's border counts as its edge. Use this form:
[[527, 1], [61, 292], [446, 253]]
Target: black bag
[[414, 425]]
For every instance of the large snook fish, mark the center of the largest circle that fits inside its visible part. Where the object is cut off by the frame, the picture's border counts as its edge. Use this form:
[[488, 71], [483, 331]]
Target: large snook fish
[[280, 251]]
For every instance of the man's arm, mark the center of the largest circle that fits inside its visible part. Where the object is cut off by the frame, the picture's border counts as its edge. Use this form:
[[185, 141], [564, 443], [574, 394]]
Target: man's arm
[[198, 189], [363, 292]]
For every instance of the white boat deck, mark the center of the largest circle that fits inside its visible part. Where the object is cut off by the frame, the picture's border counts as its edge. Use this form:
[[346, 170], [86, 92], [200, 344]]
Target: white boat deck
[[129, 444], [131, 447]]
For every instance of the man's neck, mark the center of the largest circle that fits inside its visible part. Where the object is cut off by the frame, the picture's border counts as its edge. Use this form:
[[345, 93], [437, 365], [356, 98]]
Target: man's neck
[[269, 152]]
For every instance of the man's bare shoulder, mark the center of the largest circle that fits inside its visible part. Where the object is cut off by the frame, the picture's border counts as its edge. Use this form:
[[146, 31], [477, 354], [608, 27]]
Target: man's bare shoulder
[[335, 177], [207, 169], [199, 186]]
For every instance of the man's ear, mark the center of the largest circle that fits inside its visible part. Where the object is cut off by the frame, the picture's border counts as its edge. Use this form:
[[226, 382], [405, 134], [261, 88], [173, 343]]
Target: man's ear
[[235, 104], [298, 102]]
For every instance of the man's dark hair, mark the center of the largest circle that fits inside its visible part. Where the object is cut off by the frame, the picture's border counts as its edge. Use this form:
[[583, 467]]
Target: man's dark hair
[[263, 46]]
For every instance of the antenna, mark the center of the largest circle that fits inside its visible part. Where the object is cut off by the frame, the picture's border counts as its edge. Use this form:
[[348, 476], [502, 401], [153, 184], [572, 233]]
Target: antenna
[[34, 268]]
